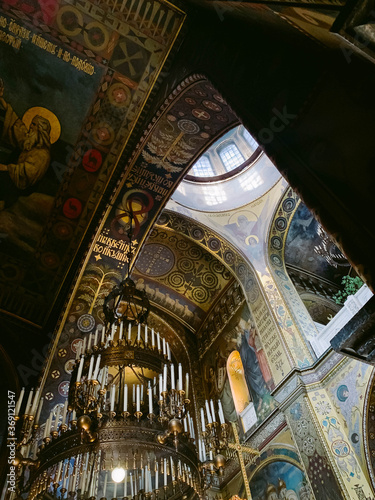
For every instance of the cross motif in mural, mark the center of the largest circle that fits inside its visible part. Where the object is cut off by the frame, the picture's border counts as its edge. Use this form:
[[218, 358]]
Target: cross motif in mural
[[244, 453]]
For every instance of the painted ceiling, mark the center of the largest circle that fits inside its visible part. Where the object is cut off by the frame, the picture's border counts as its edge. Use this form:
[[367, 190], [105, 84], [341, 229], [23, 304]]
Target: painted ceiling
[[180, 275], [89, 70]]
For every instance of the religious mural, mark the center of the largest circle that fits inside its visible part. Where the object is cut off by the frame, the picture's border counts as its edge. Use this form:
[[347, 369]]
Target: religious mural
[[73, 81], [308, 247], [40, 121], [241, 337], [279, 480]]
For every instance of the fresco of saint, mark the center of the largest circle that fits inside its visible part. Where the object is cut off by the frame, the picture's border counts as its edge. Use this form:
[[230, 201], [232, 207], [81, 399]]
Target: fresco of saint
[[33, 144]]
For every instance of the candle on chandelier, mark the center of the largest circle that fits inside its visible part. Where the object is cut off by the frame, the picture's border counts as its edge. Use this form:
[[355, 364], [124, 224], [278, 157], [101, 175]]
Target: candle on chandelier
[[39, 411], [156, 475], [152, 338], [160, 386], [191, 426], [89, 342], [126, 397], [164, 348], [213, 413], [121, 330], [64, 475], [46, 428], [103, 333], [80, 368], [187, 386], [150, 399], [180, 375], [129, 331], [35, 402], [58, 472], [158, 341], [29, 399], [172, 377], [138, 398], [165, 472], [19, 402], [165, 379], [89, 376], [131, 486], [221, 413], [141, 393], [96, 336], [208, 413], [65, 409], [146, 335], [84, 345], [139, 333], [203, 421], [154, 386], [203, 451], [57, 419], [97, 366], [168, 352], [185, 425], [112, 403]]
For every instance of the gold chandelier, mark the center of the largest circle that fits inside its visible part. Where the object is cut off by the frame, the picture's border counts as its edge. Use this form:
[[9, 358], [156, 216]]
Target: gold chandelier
[[125, 430]]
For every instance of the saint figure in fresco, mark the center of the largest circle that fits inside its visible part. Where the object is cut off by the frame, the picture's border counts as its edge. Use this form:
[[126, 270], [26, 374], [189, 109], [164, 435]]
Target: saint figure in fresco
[[33, 145], [211, 383], [255, 343], [253, 373]]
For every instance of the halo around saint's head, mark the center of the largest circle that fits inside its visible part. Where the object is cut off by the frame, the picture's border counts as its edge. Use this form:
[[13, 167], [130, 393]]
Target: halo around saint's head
[[45, 113]]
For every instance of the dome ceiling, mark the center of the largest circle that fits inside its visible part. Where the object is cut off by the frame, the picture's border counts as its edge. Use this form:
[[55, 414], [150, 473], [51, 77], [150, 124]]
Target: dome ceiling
[[180, 276]]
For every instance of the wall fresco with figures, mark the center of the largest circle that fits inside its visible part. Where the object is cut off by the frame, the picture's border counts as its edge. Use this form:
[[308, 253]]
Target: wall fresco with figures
[[280, 480], [75, 77], [277, 473], [241, 335]]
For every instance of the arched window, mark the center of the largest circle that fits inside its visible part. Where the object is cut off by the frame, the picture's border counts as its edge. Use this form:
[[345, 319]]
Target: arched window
[[231, 157], [236, 375], [250, 139], [203, 167]]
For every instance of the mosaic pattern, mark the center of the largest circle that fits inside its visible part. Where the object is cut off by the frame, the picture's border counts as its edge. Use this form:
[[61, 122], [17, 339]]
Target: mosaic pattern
[[313, 454], [193, 273], [347, 390], [277, 237], [332, 429]]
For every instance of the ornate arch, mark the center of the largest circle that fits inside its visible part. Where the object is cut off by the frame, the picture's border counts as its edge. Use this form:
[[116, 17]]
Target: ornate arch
[[276, 248], [192, 117]]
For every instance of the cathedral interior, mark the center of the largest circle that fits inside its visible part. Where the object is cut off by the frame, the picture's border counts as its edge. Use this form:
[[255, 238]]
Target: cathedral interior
[[186, 247]]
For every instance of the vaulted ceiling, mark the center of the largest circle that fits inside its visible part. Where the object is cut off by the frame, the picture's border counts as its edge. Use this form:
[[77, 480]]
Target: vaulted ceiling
[[121, 83]]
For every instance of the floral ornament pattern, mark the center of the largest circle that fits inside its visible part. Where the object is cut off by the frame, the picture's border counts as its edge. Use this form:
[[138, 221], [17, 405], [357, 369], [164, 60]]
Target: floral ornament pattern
[[323, 408]]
